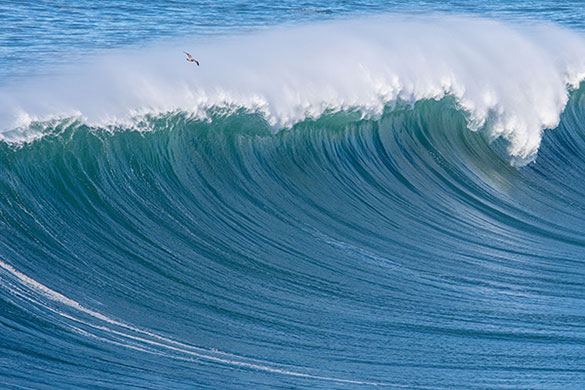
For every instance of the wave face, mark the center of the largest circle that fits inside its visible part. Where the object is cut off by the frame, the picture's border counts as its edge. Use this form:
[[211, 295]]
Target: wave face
[[403, 252], [392, 202]]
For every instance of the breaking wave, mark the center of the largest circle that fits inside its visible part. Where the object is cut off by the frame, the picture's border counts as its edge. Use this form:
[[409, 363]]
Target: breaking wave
[[304, 210], [511, 80]]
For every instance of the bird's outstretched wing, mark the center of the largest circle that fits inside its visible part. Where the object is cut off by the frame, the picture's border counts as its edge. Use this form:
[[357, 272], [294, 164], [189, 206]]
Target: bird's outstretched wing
[[189, 56], [197, 62]]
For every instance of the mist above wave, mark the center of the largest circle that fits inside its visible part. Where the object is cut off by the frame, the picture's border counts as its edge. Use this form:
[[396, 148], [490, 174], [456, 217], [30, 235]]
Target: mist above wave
[[511, 80]]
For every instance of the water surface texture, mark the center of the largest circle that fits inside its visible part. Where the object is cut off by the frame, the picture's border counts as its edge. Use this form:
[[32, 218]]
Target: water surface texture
[[344, 195]]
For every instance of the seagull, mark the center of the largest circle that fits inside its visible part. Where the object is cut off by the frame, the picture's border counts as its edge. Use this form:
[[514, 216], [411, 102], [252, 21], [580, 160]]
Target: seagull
[[190, 58]]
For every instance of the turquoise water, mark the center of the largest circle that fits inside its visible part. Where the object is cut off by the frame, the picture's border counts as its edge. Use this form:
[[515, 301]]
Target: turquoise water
[[343, 195]]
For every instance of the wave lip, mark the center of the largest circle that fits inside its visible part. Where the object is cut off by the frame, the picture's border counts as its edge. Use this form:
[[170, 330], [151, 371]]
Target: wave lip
[[512, 80]]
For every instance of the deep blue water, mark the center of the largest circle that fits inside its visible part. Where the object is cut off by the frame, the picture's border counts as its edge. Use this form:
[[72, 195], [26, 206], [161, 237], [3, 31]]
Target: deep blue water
[[383, 195]]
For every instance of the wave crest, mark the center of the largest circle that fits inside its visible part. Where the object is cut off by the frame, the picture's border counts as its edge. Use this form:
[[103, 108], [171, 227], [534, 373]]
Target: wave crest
[[512, 81]]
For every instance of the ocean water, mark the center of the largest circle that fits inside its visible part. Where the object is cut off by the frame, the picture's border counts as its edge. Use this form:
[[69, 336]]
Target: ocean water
[[343, 195]]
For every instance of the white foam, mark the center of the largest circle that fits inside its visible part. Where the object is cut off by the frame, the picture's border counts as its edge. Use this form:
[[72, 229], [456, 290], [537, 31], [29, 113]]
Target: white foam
[[512, 79]]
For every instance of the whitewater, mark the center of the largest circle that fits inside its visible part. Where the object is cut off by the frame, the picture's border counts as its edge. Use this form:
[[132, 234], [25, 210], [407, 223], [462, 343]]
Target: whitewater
[[512, 81], [342, 196]]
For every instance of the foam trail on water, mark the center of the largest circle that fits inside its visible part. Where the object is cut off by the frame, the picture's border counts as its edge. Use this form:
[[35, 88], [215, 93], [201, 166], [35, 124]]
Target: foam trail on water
[[512, 80], [149, 339]]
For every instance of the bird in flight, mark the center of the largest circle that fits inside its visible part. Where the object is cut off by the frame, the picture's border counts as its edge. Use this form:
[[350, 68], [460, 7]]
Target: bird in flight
[[190, 58]]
